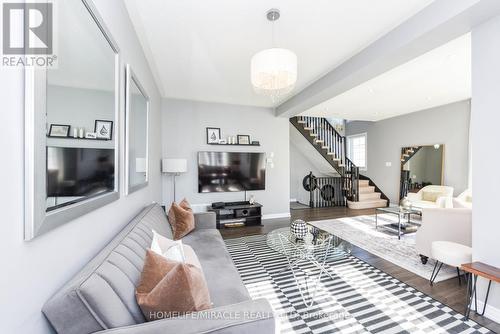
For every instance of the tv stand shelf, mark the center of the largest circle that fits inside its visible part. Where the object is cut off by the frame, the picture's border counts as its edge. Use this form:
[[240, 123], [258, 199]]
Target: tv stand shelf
[[237, 214]]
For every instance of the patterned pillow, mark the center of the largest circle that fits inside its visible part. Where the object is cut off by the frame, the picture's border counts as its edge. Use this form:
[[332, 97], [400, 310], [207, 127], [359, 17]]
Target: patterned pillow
[[170, 288], [181, 220]]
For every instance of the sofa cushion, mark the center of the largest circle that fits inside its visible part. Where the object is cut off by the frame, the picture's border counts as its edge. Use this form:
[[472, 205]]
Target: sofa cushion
[[224, 282], [174, 250], [181, 220], [432, 195], [168, 288]]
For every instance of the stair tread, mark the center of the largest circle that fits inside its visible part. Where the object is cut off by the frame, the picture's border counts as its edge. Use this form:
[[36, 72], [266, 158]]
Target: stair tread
[[367, 204], [373, 195], [373, 200]]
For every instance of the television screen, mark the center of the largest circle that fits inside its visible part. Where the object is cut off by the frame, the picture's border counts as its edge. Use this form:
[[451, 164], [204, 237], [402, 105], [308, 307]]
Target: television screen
[[231, 171], [79, 172]]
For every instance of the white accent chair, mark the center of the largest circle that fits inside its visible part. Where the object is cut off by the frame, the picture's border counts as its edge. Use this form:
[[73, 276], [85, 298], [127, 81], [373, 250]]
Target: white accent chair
[[464, 200], [432, 197], [443, 224]]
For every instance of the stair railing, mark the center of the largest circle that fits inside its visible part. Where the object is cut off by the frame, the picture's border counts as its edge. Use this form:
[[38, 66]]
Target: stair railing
[[326, 191], [328, 136]]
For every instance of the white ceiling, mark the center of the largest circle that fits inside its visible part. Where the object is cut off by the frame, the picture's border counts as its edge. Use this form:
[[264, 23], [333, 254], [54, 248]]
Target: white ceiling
[[201, 50], [438, 77]]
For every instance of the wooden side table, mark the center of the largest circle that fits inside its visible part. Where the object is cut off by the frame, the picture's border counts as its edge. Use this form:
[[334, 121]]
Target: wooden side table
[[475, 270]]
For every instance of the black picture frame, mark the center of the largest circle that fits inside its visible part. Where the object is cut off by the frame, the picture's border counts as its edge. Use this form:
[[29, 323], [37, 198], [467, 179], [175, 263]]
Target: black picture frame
[[51, 129], [213, 141], [99, 135], [247, 142]]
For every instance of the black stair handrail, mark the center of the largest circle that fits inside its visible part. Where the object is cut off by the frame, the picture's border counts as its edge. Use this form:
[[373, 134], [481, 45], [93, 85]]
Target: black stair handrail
[[329, 137]]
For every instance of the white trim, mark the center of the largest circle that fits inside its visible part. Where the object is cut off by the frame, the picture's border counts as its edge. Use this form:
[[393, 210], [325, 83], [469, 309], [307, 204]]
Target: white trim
[[276, 215], [491, 313], [293, 200]]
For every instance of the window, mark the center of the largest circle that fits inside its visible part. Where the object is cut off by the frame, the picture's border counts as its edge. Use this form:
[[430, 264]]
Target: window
[[356, 150]]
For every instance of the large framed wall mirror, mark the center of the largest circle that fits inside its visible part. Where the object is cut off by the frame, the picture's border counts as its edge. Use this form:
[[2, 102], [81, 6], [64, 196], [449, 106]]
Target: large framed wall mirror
[[136, 133], [71, 118], [421, 166]]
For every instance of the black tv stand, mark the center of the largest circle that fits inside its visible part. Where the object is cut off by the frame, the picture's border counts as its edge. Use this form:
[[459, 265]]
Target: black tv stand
[[238, 214]]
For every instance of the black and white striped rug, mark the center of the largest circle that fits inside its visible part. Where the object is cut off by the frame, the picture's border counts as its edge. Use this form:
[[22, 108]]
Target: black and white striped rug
[[362, 299]]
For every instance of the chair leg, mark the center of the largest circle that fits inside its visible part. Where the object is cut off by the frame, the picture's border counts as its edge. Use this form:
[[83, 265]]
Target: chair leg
[[434, 272]]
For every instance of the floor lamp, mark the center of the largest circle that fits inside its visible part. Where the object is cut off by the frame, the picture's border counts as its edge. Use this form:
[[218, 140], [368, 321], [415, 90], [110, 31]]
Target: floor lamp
[[175, 167]]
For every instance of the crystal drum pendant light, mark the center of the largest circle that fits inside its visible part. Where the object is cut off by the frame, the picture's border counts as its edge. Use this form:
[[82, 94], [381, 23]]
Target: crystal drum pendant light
[[274, 70]]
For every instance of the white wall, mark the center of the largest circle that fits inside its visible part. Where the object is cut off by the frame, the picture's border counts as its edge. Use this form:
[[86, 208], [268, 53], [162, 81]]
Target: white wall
[[79, 107], [184, 134], [485, 128], [33, 271], [448, 125]]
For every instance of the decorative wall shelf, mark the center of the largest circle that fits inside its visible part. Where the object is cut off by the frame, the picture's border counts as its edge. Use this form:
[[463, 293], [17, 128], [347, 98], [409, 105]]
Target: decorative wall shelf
[[98, 139], [233, 144]]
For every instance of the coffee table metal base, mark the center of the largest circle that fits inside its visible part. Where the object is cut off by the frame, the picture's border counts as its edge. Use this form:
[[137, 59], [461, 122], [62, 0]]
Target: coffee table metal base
[[308, 257]]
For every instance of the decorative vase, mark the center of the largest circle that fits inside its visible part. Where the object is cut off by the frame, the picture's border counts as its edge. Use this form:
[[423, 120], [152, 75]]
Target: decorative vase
[[298, 228], [405, 203]]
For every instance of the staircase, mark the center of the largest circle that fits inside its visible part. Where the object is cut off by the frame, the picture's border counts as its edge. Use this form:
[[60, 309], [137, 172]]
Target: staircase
[[407, 153], [359, 191]]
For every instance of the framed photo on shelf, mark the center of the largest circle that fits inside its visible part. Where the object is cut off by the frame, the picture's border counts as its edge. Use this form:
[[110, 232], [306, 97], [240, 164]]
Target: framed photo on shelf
[[213, 135], [243, 139], [103, 129], [59, 130]]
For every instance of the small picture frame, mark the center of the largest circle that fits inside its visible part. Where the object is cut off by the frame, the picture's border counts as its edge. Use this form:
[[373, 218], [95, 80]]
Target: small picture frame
[[213, 135], [103, 129], [59, 130], [91, 135], [243, 139]]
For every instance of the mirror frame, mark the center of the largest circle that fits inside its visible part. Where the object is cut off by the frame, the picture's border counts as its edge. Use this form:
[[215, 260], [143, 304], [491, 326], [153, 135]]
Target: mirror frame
[[443, 154], [36, 219], [132, 77]]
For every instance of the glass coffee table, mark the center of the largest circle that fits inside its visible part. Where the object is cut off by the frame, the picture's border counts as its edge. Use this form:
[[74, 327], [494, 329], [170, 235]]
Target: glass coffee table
[[316, 248], [404, 224]]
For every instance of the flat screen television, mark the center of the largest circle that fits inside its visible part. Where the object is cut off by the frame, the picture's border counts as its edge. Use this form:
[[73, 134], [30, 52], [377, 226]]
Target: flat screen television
[[231, 171], [79, 172]]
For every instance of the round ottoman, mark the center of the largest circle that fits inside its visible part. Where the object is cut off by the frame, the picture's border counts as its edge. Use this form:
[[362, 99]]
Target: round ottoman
[[449, 253]]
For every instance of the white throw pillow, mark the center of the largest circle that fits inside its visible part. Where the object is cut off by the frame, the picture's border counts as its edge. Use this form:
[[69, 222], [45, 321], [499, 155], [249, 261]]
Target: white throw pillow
[[174, 250]]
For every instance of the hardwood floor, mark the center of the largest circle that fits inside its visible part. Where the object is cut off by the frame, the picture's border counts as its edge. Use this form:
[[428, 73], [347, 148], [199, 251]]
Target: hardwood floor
[[448, 292]]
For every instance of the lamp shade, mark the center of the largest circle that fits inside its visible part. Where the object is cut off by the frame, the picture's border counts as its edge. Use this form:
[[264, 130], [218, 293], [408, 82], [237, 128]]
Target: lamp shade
[[274, 71], [174, 166]]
